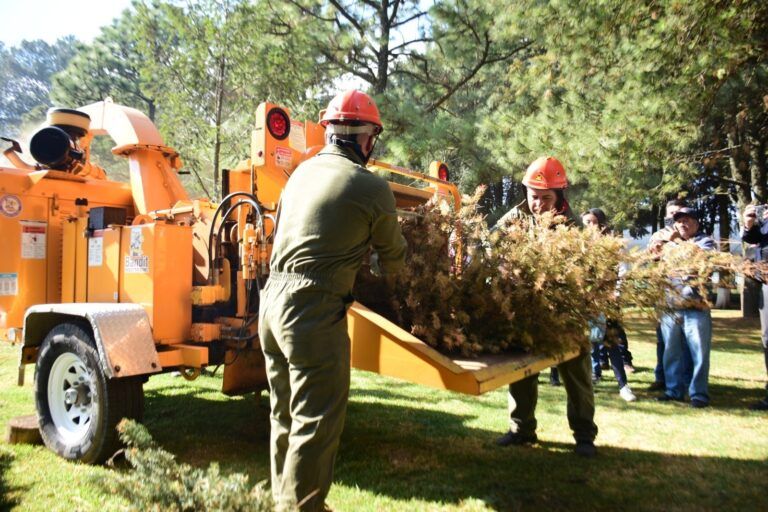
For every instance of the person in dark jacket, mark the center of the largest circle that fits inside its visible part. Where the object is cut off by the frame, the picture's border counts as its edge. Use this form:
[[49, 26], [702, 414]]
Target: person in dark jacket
[[755, 231], [606, 334], [545, 182]]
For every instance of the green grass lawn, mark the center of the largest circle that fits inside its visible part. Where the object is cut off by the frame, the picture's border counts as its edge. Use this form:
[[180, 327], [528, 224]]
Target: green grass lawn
[[408, 447]]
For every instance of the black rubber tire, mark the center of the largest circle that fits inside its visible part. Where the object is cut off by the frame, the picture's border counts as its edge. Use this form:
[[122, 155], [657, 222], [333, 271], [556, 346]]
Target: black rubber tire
[[113, 399]]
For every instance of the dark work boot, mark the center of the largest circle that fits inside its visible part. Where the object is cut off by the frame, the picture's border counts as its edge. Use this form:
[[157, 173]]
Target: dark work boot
[[515, 439], [585, 449]]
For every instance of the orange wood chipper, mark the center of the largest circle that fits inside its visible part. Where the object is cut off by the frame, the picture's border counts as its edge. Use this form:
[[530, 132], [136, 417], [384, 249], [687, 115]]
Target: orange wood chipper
[[104, 283]]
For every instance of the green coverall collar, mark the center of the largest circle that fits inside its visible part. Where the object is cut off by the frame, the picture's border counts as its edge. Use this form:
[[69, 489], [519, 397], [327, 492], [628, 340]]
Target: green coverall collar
[[334, 149]]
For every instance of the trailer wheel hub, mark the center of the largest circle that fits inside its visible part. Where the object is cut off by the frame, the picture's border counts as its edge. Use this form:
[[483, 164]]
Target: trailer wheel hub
[[79, 395], [70, 396]]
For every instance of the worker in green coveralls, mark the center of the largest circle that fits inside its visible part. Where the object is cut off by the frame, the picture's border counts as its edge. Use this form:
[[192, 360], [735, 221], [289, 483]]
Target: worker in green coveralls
[[545, 182], [333, 210]]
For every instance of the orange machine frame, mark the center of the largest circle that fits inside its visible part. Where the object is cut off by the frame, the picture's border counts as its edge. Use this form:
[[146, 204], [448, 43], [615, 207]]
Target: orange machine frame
[[160, 261]]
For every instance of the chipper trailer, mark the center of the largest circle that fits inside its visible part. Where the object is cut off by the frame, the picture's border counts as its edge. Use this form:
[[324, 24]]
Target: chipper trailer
[[104, 284]]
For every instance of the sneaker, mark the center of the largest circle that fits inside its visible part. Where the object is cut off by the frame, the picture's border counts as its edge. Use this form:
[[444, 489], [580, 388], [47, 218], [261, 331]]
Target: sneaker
[[657, 386], [628, 368], [762, 405], [698, 404], [585, 449], [515, 439], [627, 394]]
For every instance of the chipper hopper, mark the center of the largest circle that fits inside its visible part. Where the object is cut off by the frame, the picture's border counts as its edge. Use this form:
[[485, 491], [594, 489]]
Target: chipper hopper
[[104, 284]]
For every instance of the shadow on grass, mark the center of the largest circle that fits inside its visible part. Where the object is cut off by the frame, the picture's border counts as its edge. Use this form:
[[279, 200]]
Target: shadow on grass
[[405, 452], [6, 502], [201, 425], [725, 397], [415, 454]]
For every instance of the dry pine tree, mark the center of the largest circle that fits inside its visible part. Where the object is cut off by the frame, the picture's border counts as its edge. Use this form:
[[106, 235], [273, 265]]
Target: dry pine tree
[[532, 285]]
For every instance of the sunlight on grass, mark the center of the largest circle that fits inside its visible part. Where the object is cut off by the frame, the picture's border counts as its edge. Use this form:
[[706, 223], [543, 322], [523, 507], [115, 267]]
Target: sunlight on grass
[[408, 447]]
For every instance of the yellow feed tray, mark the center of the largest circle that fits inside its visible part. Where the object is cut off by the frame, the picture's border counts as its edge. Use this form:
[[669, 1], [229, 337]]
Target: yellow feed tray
[[381, 346]]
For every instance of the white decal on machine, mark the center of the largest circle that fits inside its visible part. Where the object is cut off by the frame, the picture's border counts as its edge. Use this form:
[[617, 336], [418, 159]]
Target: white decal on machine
[[137, 262], [33, 240], [95, 251], [9, 284], [297, 139]]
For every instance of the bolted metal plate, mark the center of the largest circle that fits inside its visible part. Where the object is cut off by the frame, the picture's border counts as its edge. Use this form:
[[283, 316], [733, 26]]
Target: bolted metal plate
[[122, 331]]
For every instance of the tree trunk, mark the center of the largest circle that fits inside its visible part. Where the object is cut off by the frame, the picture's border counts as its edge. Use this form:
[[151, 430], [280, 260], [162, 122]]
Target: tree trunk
[[724, 215], [750, 298], [218, 122], [382, 56], [151, 110], [739, 171], [654, 217], [724, 283]]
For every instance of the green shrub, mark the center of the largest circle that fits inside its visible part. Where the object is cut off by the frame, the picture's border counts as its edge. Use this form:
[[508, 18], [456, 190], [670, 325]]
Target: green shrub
[[158, 482]]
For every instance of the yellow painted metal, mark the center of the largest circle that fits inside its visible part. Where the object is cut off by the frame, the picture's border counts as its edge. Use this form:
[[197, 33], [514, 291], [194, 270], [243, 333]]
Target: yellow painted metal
[[69, 247], [272, 160], [81, 260], [156, 272], [23, 225], [190, 356], [205, 332], [381, 346], [48, 197], [207, 295], [437, 186], [246, 373], [104, 265], [155, 260], [152, 165]]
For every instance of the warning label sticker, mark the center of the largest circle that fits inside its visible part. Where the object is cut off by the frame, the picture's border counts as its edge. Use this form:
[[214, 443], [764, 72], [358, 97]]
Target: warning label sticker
[[136, 264], [9, 284], [283, 157], [33, 240], [95, 251], [297, 139]]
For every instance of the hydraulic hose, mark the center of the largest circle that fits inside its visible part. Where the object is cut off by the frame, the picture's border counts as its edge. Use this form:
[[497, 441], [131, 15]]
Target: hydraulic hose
[[251, 200]]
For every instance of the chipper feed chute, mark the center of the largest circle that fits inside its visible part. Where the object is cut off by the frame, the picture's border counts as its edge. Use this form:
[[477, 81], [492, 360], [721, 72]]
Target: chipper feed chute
[[381, 346]]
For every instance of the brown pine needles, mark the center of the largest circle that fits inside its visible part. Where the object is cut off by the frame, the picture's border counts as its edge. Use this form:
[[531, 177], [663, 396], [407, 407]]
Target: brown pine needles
[[532, 285]]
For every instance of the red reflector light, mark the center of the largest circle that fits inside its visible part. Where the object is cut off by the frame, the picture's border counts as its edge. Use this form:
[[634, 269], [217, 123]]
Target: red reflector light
[[442, 172], [278, 124]]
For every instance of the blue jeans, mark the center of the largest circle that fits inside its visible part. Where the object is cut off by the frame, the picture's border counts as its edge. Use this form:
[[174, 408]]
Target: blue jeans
[[658, 371], [693, 328], [616, 359]]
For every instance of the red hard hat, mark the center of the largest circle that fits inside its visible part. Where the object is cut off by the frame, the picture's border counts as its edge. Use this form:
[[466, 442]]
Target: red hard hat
[[351, 106], [544, 173]]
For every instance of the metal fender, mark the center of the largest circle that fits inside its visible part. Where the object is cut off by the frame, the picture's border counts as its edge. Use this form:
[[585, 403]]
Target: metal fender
[[122, 332]]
